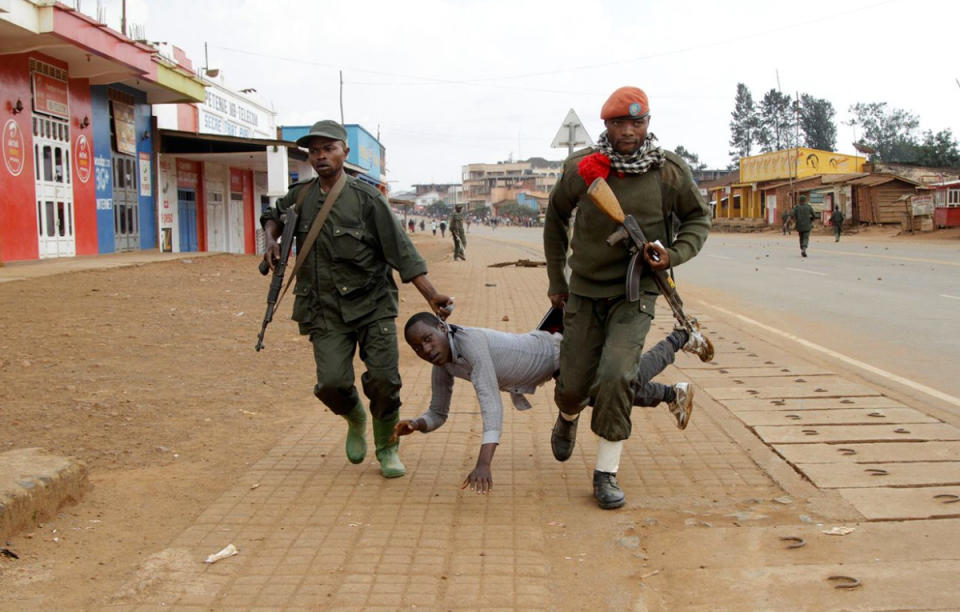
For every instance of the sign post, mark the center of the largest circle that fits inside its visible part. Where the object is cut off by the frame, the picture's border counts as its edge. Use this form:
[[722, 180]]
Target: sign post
[[571, 134]]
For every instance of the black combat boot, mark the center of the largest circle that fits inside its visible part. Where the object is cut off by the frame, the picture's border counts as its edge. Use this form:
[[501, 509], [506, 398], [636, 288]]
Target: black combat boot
[[607, 491], [563, 438]]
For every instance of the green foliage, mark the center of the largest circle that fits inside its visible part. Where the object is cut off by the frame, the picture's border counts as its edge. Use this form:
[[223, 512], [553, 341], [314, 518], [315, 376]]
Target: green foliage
[[692, 159], [939, 150], [439, 209], [776, 120], [817, 127], [743, 124], [891, 132]]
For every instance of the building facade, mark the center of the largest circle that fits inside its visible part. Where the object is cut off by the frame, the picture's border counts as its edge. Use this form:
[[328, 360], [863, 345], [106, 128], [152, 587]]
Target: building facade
[[78, 174], [486, 184], [220, 165]]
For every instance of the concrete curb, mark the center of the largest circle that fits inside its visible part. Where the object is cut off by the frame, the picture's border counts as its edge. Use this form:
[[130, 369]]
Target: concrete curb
[[34, 486]]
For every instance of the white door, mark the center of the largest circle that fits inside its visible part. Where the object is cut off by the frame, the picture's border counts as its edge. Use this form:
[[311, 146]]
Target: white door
[[51, 156], [216, 222], [772, 213], [235, 225]]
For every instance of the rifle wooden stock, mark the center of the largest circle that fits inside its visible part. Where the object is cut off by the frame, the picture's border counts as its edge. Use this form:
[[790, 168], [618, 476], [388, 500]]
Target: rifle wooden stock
[[601, 194]]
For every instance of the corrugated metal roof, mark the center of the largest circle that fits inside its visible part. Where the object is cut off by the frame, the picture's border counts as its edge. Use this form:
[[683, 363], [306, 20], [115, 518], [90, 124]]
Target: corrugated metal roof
[[842, 178], [873, 180]]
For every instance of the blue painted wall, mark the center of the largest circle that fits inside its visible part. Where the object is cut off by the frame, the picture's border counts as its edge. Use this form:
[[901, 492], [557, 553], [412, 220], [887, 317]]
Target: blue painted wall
[[525, 200], [102, 168], [364, 150], [102, 151]]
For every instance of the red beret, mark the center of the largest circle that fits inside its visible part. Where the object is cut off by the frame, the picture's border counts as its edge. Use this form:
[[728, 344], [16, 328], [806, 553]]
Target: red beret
[[625, 102]]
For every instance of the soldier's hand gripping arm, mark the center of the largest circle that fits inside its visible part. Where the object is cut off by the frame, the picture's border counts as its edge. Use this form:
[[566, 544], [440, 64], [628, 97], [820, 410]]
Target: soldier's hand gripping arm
[[440, 304]]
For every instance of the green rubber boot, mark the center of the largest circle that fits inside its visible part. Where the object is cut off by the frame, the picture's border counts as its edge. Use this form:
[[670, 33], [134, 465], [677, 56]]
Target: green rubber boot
[[356, 444], [390, 465]]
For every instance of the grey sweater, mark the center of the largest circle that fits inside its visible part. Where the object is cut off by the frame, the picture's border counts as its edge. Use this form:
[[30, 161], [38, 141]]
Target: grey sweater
[[493, 361]]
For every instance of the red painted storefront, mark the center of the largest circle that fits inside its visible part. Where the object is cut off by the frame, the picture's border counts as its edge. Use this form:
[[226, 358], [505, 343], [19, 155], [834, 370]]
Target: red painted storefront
[[241, 181], [19, 230]]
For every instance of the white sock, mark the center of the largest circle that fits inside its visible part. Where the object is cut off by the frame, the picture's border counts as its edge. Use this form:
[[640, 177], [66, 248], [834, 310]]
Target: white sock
[[569, 417], [608, 455]]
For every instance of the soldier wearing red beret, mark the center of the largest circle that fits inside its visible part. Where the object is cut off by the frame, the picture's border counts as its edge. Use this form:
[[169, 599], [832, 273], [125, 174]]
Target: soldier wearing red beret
[[604, 332]]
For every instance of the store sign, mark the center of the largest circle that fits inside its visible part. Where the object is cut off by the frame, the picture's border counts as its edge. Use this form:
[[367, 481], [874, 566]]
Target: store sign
[[103, 170], [14, 148], [188, 174], [230, 115], [146, 188], [50, 96], [83, 158], [124, 127]]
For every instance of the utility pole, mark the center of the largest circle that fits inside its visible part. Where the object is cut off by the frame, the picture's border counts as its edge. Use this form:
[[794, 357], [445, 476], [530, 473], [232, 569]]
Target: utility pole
[[341, 97], [123, 17]]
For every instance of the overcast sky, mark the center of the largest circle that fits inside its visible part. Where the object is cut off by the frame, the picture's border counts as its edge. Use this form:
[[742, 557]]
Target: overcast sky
[[450, 82]]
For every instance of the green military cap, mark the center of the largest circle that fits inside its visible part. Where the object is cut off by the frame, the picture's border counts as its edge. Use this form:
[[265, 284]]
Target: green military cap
[[324, 129]]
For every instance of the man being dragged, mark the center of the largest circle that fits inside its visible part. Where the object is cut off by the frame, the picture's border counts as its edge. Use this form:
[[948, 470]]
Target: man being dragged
[[496, 361]]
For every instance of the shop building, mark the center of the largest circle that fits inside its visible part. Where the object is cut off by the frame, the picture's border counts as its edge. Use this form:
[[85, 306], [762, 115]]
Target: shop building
[[77, 175], [220, 165]]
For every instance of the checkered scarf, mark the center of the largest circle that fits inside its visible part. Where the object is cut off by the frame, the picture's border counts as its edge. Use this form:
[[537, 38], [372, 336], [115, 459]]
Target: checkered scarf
[[648, 156]]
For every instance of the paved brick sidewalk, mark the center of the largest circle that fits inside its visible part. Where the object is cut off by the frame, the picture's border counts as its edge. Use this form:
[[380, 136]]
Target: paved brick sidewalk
[[314, 531]]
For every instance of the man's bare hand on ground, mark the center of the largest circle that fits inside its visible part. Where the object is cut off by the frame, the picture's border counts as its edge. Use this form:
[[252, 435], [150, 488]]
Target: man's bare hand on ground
[[479, 480]]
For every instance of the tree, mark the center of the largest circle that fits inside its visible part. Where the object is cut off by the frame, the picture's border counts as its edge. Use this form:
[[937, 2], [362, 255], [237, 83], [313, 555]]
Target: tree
[[776, 121], [438, 209], [743, 124], [938, 149], [817, 123], [692, 159], [890, 132]]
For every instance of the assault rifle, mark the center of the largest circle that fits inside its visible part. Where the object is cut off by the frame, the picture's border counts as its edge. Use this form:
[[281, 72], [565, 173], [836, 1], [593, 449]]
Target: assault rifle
[[276, 283], [629, 230]]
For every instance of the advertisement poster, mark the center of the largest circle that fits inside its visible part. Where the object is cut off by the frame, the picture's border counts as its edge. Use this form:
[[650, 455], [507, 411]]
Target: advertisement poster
[[83, 159], [50, 96], [124, 127], [14, 148], [145, 187]]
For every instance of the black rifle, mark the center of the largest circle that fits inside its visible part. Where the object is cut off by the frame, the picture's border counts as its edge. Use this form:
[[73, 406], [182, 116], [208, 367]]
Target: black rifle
[[276, 283]]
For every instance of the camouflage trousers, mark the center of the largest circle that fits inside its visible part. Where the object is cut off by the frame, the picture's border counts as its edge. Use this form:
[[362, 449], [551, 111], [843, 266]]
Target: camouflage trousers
[[600, 360]]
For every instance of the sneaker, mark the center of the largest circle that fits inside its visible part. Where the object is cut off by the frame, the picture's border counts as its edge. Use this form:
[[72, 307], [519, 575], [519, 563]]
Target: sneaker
[[682, 405], [606, 490], [697, 343], [803, 252]]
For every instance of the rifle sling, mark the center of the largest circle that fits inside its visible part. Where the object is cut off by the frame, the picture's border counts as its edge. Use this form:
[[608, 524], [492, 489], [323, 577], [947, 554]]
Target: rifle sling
[[304, 249]]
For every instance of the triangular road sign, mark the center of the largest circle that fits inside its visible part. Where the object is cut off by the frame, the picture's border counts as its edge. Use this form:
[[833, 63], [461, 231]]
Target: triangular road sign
[[571, 134]]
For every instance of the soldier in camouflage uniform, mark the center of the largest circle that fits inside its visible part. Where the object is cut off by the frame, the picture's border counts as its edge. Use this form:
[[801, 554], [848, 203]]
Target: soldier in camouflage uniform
[[459, 235], [345, 294]]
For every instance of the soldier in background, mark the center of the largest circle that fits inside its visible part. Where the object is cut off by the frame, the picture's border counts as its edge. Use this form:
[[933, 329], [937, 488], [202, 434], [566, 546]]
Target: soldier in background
[[803, 217], [458, 233], [837, 220]]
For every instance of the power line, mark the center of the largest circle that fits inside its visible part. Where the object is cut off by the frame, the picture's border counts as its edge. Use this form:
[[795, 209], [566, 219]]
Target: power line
[[760, 33]]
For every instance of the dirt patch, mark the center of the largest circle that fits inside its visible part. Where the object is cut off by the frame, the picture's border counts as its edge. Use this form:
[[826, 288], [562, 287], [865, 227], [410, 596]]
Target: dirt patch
[[148, 374]]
